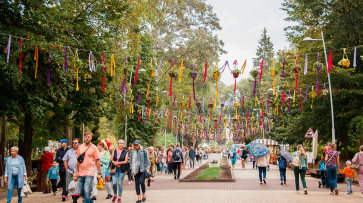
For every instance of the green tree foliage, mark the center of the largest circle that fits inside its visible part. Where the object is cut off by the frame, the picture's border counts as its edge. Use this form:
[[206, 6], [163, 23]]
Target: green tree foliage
[[265, 49]]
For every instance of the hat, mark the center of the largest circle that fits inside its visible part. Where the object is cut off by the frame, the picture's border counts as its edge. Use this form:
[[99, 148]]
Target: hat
[[63, 140], [46, 149], [136, 142], [348, 162]]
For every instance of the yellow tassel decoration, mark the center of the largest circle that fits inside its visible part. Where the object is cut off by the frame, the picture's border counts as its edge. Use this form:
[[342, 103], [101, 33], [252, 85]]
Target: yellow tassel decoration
[[157, 97], [113, 66], [294, 98], [255, 99], [273, 84], [147, 92], [181, 71], [215, 102], [36, 60], [243, 67], [277, 108], [76, 55]]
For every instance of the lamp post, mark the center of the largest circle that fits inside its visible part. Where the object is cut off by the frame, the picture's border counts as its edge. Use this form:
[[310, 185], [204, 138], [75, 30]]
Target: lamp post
[[331, 94], [141, 70]]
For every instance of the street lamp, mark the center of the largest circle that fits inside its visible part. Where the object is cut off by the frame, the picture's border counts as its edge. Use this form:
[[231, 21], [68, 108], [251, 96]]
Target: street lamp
[[331, 94]]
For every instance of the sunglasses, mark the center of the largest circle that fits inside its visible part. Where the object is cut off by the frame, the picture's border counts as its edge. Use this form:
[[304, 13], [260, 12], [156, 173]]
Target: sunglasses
[[75, 142]]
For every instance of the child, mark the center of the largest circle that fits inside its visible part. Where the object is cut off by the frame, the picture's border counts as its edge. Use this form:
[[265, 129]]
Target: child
[[322, 172], [282, 169], [53, 175], [74, 188], [349, 176]]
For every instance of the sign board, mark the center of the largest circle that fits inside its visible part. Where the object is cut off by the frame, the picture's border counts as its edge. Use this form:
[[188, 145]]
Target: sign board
[[309, 156], [309, 134], [54, 145]]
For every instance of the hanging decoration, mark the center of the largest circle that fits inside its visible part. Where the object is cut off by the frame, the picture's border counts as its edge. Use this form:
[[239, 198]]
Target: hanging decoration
[[306, 64], [181, 72], [325, 92], [77, 64], [65, 59], [113, 65], [36, 58], [235, 74], [261, 68], [104, 68], [48, 71], [296, 71], [283, 68], [273, 73], [8, 49], [21, 55], [151, 73], [330, 62], [172, 74], [205, 70], [312, 95], [216, 75], [355, 57], [254, 73], [318, 65], [193, 75], [125, 70], [345, 61], [137, 71], [243, 67], [92, 62]]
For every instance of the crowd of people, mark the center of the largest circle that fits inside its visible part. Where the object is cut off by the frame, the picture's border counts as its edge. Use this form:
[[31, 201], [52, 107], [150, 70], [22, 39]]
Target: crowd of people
[[82, 167]]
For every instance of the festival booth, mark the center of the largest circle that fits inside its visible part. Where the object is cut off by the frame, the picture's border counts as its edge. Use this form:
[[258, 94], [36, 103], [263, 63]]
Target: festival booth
[[272, 146]]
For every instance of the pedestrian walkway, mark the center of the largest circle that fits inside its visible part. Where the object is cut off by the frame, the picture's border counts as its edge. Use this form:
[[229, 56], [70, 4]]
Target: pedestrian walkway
[[247, 188]]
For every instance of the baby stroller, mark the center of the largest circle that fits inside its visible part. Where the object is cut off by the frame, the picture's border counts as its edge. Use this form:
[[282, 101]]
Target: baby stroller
[[322, 174]]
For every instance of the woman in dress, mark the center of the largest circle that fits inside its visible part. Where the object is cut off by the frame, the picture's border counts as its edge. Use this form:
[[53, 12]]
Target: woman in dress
[[152, 156]]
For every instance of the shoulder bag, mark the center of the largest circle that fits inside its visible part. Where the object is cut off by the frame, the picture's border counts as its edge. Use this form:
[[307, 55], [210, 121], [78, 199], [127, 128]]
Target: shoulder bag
[[329, 160], [80, 159], [356, 164]]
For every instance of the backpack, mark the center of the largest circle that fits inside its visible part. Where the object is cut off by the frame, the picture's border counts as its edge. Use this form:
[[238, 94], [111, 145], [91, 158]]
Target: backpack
[[177, 156], [231, 154], [282, 163], [244, 154], [296, 161]]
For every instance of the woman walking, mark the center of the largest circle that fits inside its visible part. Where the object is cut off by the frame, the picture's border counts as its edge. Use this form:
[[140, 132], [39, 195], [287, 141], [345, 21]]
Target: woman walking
[[119, 160], [164, 160], [233, 156], [262, 164], [359, 158], [152, 157], [15, 172], [130, 177], [140, 163], [105, 161], [46, 160], [170, 165], [197, 154], [332, 167], [301, 169]]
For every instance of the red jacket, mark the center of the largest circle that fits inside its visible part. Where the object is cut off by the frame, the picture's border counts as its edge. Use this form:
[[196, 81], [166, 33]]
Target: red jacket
[[46, 160]]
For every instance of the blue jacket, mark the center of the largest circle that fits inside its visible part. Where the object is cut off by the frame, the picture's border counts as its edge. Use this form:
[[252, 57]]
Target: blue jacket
[[192, 154], [22, 171], [142, 158], [59, 157]]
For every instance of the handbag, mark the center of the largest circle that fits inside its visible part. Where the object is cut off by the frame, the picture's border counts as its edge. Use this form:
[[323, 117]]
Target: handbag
[[80, 159], [356, 164], [26, 189]]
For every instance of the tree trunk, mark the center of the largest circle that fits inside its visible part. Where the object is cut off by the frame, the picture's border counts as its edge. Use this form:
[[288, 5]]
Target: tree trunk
[[3, 133], [25, 144], [68, 133], [345, 144]]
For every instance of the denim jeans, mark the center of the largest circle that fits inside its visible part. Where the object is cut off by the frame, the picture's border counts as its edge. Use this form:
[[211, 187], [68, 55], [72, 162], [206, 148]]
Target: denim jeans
[[95, 182], [283, 174], [349, 182], [161, 165], [192, 162], [253, 166], [85, 186], [260, 171], [63, 179], [13, 180], [118, 179], [331, 173], [140, 180]]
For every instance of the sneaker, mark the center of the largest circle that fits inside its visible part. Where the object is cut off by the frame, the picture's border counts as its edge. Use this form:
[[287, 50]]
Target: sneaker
[[361, 196], [348, 193], [144, 199], [109, 197], [264, 181], [138, 201], [54, 194], [63, 198], [119, 200], [129, 182], [285, 183], [282, 183], [93, 198], [332, 193], [114, 199], [305, 191], [336, 191]]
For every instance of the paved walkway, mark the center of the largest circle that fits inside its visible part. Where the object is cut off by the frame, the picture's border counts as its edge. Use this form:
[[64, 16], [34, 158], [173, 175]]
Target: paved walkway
[[246, 189]]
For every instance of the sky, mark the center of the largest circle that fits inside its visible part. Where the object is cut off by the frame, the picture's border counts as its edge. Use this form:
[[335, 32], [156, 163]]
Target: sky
[[242, 24]]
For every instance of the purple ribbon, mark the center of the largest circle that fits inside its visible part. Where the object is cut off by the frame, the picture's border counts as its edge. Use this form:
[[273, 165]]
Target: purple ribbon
[[49, 62], [254, 88], [125, 72], [355, 58], [306, 65], [224, 66], [289, 100], [92, 62], [65, 59], [324, 96], [138, 98], [172, 106], [8, 49], [283, 69]]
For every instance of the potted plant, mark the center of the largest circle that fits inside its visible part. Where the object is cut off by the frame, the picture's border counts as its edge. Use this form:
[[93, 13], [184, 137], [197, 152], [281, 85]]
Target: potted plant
[[193, 74], [216, 74], [236, 73], [249, 103], [254, 73], [150, 72], [172, 73], [182, 103], [167, 102], [253, 118], [236, 104]]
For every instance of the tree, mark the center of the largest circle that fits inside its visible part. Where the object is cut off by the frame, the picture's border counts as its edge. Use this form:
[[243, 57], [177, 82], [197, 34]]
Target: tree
[[265, 50]]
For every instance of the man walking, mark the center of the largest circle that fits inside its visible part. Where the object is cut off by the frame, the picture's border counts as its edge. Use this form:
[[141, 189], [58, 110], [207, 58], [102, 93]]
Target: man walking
[[62, 171], [70, 161], [86, 168], [177, 160], [243, 155], [191, 157]]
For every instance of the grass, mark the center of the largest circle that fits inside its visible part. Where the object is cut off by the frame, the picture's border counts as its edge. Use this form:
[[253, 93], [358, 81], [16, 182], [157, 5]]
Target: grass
[[210, 173]]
